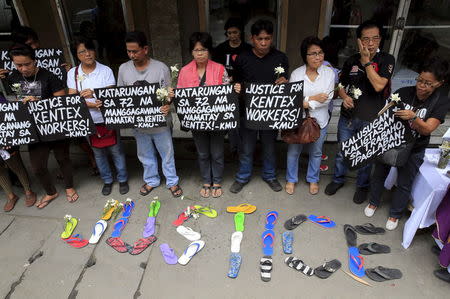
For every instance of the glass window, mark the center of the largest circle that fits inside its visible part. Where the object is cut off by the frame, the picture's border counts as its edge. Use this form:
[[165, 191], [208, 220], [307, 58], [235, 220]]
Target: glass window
[[8, 21]]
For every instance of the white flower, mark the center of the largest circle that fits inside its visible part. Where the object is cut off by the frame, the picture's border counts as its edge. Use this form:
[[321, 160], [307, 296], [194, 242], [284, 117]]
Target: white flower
[[16, 85], [174, 69], [68, 217], [80, 77], [279, 70], [162, 94], [357, 93], [121, 204], [129, 200], [395, 98], [340, 86]]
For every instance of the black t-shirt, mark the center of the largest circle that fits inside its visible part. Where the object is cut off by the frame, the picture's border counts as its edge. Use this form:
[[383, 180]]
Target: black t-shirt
[[226, 55], [44, 86], [435, 106], [353, 74]]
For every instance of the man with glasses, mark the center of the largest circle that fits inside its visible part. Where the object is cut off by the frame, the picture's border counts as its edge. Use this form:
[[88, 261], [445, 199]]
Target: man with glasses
[[370, 71]]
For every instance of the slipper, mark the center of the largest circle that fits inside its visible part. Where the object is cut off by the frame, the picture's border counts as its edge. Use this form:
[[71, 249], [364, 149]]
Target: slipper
[[355, 262], [128, 208], [43, 203], [299, 265], [190, 251], [287, 239], [239, 220], [154, 208], [142, 244], [97, 231], [118, 227], [73, 197], [295, 221], [206, 190], [149, 228], [207, 211], [327, 269], [175, 190], [76, 241], [350, 235], [245, 208], [181, 218], [373, 248], [322, 221], [382, 274], [235, 265], [107, 215], [144, 190], [369, 229], [69, 227], [267, 239], [216, 188], [271, 219], [118, 244], [168, 254], [236, 239], [188, 233], [266, 267]]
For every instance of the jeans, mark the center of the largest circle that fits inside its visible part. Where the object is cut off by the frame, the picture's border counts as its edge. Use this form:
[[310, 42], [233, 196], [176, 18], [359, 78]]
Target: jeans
[[405, 178], [248, 143], [118, 157], [315, 157], [234, 139], [210, 155], [148, 145], [346, 129]]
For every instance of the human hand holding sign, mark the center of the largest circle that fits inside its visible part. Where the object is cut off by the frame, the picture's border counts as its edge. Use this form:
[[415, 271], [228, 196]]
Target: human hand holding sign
[[3, 73], [364, 52], [281, 80], [165, 109], [29, 98], [405, 114], [87, 93]]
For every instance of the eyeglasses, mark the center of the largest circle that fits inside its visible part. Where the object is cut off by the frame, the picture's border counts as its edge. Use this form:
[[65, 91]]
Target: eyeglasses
[[316, 54], [198, 51], [374, 39], [427, 84], [84, 52]]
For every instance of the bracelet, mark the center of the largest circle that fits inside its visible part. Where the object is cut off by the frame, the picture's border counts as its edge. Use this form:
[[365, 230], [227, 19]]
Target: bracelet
[[368, 64], [414, 118], [306, 99]]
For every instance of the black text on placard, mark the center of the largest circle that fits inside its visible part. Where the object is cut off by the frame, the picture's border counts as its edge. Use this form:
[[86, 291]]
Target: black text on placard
[[16, 125]]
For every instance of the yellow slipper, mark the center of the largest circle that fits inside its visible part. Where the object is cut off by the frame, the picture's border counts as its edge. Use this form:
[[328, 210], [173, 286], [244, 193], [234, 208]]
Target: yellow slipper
[[245, 207]]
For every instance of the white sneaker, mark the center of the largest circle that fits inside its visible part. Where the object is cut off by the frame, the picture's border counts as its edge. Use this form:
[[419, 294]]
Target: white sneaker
[[369, 211], [391, 225]]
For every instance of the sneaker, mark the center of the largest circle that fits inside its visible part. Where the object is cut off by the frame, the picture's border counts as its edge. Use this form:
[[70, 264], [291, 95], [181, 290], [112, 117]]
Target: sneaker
[[391, 225], [369, 211], [442, 274], [124, 188], [237, 187], [323, 167], [106, 190], [324, 157], [274, 185], [360, 195], [333, 187]]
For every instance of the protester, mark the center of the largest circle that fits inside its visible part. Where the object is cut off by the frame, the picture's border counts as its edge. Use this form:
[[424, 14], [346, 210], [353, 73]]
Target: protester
[[258, 66], [366, 78], [425, 109], [90, 74], [36, 84], [141, 69], [318, 91], [441, 236]]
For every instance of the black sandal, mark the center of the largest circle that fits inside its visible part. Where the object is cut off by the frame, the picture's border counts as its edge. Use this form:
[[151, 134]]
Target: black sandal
[[215, 188], [207, 190], [174, 191], [147, 191]]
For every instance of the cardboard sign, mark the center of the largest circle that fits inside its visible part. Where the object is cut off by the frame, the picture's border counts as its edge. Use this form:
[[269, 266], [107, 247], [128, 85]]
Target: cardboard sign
[[207, 108], [273, 107], [131, 107], [16, 125]]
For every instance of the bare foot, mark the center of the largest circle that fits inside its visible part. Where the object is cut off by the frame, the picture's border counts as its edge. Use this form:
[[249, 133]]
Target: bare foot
[[313, 188], [204, 192], [71, 195], [216, 190], [290, 187], [46, 200]]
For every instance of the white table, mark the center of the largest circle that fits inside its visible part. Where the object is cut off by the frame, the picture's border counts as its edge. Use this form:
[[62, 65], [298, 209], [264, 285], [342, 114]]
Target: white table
[[427, 192]]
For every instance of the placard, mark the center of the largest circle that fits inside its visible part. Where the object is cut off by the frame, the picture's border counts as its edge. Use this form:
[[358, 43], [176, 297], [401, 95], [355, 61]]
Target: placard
[[16, 125], [131, 107], [207, 108], [273, 107]]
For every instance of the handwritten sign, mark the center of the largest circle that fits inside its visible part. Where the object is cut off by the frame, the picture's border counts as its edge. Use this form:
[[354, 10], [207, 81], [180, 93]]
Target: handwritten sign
[[16, 125]]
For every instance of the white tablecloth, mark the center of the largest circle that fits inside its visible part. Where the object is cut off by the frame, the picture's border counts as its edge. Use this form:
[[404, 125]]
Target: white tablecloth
[[427, 192]]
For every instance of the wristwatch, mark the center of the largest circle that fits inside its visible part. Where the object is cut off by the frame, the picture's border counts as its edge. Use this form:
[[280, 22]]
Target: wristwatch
[[367, 64]]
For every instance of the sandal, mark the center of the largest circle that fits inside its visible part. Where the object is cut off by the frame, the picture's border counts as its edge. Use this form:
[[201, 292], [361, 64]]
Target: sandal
[[216, 191], [30, 199], [176, 191], [43, 203], [144, 190], [118, 244], [290, 188], [72, 197], [327, 269], [206, 189], [142, 244]]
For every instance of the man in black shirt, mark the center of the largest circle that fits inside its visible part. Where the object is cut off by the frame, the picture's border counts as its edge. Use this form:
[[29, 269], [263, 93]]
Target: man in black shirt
[[257, 66], [366, 78]]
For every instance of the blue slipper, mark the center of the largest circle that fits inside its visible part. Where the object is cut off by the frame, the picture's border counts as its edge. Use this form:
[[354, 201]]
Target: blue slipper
[[288, 239], [235, 265], [355, 262], [118, 227], [267, 239], [127, 209], [322, 221], [271, 219]]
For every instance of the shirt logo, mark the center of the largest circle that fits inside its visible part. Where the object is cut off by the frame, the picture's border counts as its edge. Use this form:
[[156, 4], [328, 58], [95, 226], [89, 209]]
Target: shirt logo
[[375, 66], [354, 69], [390, 67]]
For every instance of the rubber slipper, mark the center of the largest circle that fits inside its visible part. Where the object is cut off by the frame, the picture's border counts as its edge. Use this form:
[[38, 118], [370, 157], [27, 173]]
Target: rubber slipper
[[271, 219], [154, 208], [144, 190], [112, 206], [381, 274], [168, 254], [265, 265], [190, 251], [207, 211], [149, 228], [142, 244], [235, 265], [118, 227], [297, 264], [175, 190], [373, 248], [43, 203], [181, 218], [322, 221], [128, 208], [327, 269], [295, 221], [245, 207], [118, 244], [76, 241], [369, 229], [267, 240], [287, 239], [188, 233], [236, 239], [350, 235], [239, 220], [355, 262], [69, 227], [97, 231]]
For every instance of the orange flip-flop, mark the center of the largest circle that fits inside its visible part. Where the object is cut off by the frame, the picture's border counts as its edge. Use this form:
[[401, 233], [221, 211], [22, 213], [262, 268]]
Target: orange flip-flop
[[245, 208]]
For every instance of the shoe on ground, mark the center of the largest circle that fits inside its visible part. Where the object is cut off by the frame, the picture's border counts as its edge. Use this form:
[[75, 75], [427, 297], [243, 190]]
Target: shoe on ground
[[360, 195], [324, 157], [106, 190], [332, 188], [436, 250], [391, 225], [237, 187], [442, 274], [274, 185], [30, 199], [124, 188], [368, 211], [10, 203], [323, 167]]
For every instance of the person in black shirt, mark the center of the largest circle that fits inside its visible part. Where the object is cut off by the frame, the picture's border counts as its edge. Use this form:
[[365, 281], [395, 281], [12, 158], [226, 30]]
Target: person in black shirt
[[366, 80], [257, 66], [425, 109]]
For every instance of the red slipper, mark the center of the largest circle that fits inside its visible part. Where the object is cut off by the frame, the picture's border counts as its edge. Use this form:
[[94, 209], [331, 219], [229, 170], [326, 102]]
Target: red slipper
[[76, 241], [118, 244], [142, 244], [182, 217]]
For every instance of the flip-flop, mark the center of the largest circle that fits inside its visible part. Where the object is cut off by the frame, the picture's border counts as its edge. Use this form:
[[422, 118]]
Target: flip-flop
[[188, 233], [381, 274], [322, 221], [154, 208], [97, 231], [69, 228], [128, 208], [287, 239], [373, 248], [297, 264], [142, 244], [267, 241], [175, 190], [215, 188], [181, 218], [207, 211], [72, 197], [43, 203], [369, 229], [265, 265], [146, 190], [350, 235], [236, 239], [168, 254], [235, 265], [190, 251], [271, 219], [239, 220], [118, 227], [327, 269], [149, 228], [245, 207], [355, 262], [76, 241], [118, 244], [295, 221], [109, 213]]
